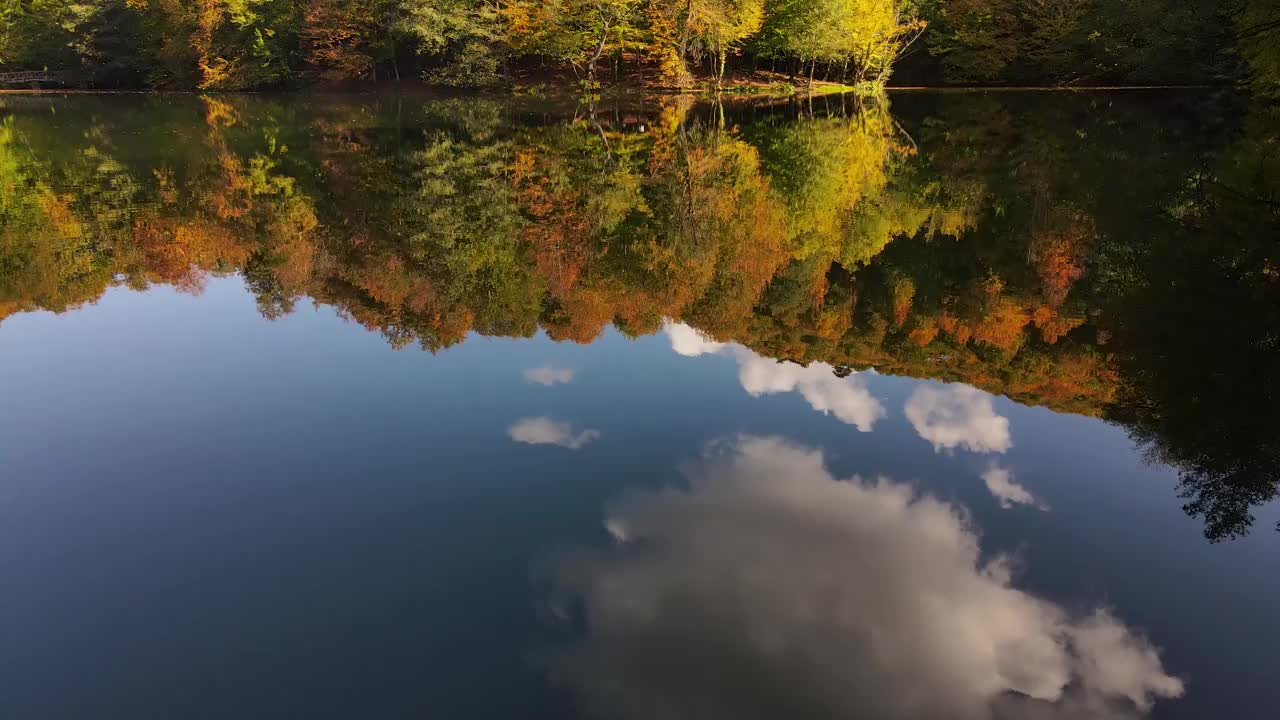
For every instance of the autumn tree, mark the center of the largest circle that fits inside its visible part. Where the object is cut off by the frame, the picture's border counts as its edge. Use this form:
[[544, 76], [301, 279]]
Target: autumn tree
[[668, 40], [346, 39], [684, 31], [574, 31], [723, 225], [243, 44]]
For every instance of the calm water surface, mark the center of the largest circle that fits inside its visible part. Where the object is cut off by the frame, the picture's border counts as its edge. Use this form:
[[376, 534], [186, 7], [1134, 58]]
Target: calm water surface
[[957, 406]]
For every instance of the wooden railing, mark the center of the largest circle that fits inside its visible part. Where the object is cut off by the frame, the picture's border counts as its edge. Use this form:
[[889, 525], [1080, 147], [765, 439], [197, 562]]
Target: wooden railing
[[29, 77]]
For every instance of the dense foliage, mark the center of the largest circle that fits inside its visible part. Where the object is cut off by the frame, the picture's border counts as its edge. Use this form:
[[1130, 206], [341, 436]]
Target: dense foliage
[[246, 44], [1072, 252]]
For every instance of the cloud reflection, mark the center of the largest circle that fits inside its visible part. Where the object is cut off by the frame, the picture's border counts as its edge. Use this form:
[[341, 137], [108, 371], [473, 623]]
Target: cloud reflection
[[546, 431], [957, 416], [549, 375], [847, 398], [690, 342], [1007, 491], [770, 589]]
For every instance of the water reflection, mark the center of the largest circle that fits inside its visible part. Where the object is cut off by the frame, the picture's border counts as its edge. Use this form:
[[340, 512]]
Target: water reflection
[[1005, 489], [826, 389], [1106, 256], [548, 431], [548, 375], [957, 416], [769, 588]]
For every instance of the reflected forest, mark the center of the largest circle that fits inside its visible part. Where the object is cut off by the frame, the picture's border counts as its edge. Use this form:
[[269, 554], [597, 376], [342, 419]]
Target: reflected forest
[[1091, 254]]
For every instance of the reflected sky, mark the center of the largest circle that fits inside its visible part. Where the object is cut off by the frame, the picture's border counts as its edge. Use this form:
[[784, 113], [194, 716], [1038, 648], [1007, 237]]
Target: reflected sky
[[287, 516]]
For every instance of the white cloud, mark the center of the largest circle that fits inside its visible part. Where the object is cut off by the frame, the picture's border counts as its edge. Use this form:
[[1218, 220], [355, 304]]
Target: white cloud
[[690, 342], [845, 397], [1003, 487], [549, 375], [770, 589], [545, 431], [957, 416]]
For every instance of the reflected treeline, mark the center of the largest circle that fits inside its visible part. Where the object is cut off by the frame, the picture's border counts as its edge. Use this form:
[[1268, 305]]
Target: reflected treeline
[[1107, 255]]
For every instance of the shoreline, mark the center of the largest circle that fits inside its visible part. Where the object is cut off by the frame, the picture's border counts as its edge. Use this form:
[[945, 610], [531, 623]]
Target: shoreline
[[799, 92]]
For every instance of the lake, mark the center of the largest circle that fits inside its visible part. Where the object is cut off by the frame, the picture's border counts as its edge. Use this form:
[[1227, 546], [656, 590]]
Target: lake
[[952, 405]]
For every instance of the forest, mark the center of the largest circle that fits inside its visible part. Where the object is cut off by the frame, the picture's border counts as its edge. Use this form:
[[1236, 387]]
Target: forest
[[1098, 255], [776, 44]]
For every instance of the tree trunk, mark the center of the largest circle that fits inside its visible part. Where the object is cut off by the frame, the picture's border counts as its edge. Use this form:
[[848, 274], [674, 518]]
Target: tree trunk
[[395, 58], [682, 43], [591, 64], [604, 139]]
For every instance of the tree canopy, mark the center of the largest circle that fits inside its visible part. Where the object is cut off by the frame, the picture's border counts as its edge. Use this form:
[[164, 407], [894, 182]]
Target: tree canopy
[[256, 44]]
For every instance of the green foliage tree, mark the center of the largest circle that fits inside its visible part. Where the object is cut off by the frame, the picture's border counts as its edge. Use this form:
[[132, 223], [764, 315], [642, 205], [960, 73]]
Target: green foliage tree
[[37, 34], [1080, 41], [1257, 28], [466, 36], [868, 35], [724, 25]]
